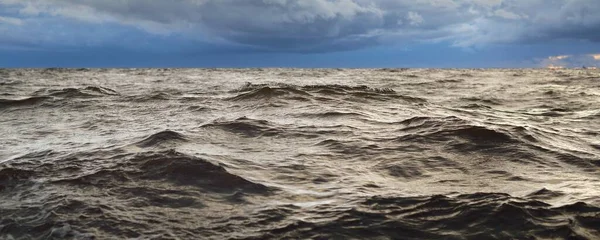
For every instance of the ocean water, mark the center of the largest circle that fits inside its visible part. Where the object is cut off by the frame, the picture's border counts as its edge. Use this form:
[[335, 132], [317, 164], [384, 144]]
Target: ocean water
[[299, 154]]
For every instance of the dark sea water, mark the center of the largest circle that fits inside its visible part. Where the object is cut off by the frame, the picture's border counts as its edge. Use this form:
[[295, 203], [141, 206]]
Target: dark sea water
[[299, 154]]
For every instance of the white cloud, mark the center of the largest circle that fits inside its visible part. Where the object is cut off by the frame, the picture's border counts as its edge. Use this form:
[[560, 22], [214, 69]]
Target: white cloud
[[486, 3], [558, 58], [414, 18], [10, 20], [506, 14]]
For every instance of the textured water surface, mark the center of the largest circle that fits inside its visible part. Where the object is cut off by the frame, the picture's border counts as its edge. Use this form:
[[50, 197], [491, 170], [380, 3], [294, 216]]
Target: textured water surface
[[299, 154]]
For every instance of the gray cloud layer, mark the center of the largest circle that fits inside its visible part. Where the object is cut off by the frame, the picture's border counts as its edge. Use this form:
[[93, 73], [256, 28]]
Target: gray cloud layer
[[307, 25]]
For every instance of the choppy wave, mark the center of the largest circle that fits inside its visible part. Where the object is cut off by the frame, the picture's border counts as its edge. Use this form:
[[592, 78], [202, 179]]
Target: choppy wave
[[299, 154], [316, 92], [170, 167], [166, 179], [469, 216]]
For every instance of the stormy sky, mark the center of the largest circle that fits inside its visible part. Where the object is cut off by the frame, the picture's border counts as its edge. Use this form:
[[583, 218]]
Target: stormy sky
[[299, 33]]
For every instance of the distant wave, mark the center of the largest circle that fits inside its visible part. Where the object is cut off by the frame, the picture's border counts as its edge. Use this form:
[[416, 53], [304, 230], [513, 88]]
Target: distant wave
[[86, 92], [50, 95], [315, 92], [245, 126]]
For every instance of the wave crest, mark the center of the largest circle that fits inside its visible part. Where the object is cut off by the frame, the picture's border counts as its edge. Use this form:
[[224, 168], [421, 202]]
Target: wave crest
[[427, 129], [161, 138], [246, 126]]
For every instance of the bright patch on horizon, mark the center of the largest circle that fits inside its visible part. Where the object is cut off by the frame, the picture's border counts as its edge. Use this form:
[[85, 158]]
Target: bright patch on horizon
[[554, 67], [554, 58], [571, 61]]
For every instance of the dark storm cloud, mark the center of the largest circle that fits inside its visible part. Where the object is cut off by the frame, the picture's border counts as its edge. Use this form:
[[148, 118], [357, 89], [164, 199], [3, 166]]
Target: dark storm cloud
[[328, 25], [581, 20], [292, 24]]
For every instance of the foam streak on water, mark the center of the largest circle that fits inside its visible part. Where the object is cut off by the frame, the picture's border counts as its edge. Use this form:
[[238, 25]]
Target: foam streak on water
[[299, 154]]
